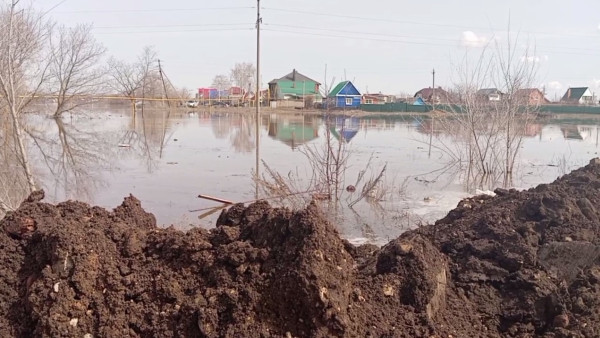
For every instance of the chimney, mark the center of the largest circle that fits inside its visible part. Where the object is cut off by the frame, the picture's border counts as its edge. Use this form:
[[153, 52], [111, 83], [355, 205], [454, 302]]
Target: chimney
[[294, 75], [569, 93]]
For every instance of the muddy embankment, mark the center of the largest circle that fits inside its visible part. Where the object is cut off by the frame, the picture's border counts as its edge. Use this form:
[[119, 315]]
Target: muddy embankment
[[521, 264]]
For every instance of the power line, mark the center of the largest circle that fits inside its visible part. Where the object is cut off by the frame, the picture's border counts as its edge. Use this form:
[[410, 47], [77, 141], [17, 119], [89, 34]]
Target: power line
[[175, 26], [53, 7], [153, 10], [415, 37], [354, 37], [373, 19], [177, 31], [560, 50], [360, 32], [362, 18]]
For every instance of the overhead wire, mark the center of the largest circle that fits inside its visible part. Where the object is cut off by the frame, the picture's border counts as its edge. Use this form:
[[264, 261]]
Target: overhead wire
[[373, 19], [138, 10], [177, 31], [356, 38], [560, 50], [175, 26]]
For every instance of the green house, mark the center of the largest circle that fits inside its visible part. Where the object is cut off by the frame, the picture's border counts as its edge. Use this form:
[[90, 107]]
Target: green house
[[294, 87]]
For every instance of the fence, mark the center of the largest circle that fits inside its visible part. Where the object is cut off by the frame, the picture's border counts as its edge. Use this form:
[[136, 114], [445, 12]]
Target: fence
[[402, 107]]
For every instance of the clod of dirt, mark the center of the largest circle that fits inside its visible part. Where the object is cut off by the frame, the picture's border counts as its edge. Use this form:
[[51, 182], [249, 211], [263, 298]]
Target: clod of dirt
[[520, 264]]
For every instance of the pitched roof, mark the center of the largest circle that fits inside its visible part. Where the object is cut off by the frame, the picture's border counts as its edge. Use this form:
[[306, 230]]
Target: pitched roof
[[527, 91], [574, 94], [339, 89], [524, 94], [426, 93], [488, 91], [294, 76]]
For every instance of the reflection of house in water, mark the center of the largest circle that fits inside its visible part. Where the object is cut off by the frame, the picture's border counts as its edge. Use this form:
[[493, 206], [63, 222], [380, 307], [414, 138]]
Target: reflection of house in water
[[293, 130], [345, 127], [583, 133], [533, 129], [428, 126], [586, 132], [571, 132]]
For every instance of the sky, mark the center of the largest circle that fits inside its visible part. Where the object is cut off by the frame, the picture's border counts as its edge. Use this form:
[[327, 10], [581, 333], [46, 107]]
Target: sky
[[380, 45]]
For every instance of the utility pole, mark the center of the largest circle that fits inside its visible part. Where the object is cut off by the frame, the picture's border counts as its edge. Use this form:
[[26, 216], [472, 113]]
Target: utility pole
[[433, 92], [162, 79], [432, 112], [257, 95]]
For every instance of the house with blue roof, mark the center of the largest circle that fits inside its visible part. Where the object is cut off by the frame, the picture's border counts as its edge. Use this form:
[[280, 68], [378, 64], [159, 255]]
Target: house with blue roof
[[345, 95]]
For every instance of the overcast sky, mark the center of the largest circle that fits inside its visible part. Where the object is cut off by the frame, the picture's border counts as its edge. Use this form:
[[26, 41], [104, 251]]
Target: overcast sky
[[387, 46]]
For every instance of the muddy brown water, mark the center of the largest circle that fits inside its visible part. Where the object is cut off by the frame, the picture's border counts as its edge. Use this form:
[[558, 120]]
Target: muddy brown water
[[521, 264], [167, 160]]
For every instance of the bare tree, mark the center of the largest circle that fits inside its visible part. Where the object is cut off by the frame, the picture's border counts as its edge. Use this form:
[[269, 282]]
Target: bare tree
[[326, 88], [74, 67], [137, 78], [22, 70], [221, 82], [125, 78], [243, 75]]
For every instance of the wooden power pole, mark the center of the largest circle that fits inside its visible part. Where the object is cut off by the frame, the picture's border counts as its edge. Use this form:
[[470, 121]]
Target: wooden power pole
[[257, 95]]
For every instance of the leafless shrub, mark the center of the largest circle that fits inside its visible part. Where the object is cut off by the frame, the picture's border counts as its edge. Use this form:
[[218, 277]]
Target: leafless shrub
[[286, 190], [373, 189], [490, 132], [329, 163]]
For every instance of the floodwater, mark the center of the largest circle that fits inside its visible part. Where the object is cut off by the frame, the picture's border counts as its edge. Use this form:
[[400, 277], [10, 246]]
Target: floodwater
[[168, 159]]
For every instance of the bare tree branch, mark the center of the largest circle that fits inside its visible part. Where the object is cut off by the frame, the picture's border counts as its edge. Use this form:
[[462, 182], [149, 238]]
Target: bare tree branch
[[74, 70]]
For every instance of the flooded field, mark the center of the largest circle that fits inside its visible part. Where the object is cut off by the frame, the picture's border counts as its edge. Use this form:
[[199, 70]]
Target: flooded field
[[167, 159]]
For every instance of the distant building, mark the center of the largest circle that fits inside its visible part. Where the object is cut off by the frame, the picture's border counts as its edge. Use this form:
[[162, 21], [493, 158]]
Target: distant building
[[530, 97], [236, 95], [294, 90], [489, 94], [208, 93], [433, 95], [376, 99], [578, 95], [345, 95]]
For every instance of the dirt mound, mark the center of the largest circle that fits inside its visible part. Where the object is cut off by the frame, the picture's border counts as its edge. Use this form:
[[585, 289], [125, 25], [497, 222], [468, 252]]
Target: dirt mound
[[522, 264]]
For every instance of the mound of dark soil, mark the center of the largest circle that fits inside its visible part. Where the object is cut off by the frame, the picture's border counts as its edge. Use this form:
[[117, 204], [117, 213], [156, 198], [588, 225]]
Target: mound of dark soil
[[522, 264]]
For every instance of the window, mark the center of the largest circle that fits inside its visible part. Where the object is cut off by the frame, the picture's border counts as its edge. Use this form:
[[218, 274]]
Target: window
[[348, 101], [369, 101]]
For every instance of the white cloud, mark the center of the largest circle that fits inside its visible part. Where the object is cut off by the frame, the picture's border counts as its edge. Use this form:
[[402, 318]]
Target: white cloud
[[554, 85], [598, 27], [470, 39]]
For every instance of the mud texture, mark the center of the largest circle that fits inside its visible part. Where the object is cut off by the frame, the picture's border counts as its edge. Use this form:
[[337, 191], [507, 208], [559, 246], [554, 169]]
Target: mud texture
[[521, 264]]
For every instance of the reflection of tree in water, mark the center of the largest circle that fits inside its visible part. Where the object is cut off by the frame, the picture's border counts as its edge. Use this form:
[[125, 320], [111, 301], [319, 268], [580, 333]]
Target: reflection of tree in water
[[242, 137], [147, 135], [239, 127], [221, 125], [73, 156], [13, 182]]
